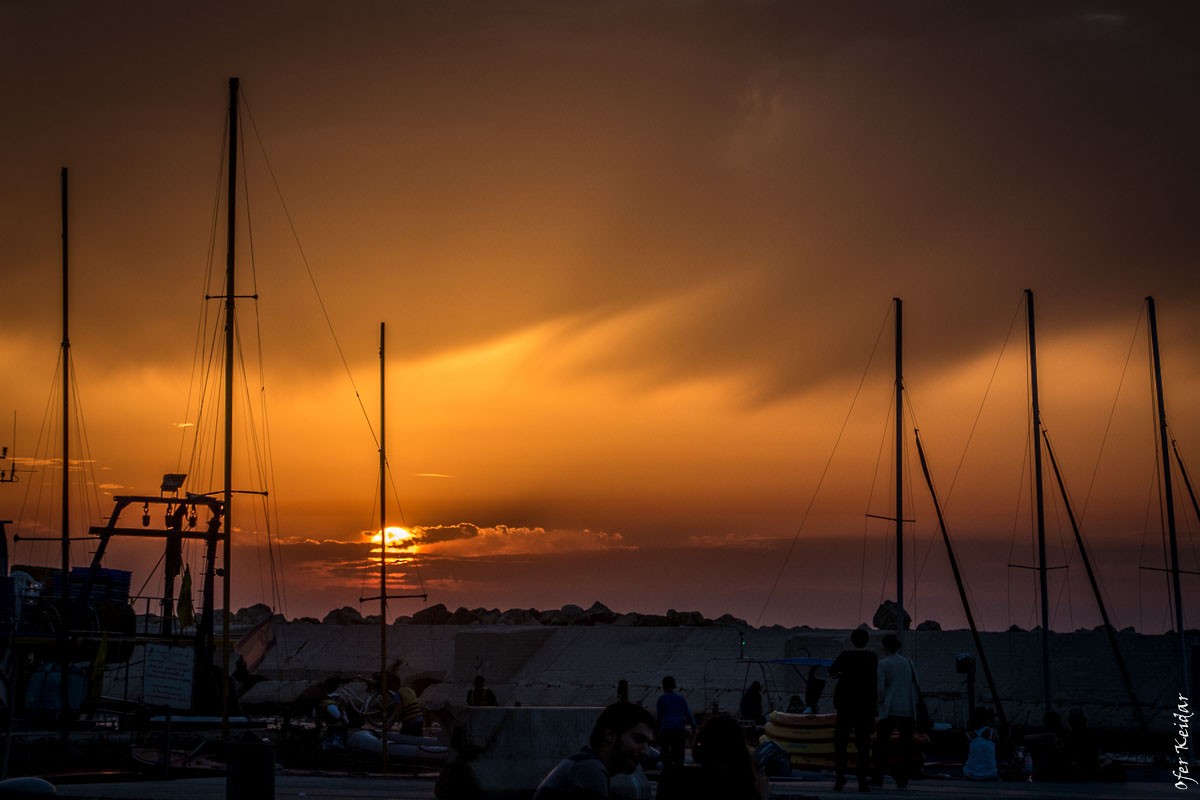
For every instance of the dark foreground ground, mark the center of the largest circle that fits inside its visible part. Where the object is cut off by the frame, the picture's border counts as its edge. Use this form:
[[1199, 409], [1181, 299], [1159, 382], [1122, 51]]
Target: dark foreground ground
[[331, 787]]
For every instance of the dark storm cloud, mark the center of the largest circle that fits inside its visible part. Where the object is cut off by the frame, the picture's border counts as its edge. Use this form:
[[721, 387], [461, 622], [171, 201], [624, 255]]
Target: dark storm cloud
[[444, 533], [752, 177]]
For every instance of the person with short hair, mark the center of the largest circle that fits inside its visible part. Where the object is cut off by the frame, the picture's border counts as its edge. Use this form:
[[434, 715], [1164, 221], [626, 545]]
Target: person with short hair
[[724, 768], [855, 698], [674, 718], [619, 741], [897, 710]]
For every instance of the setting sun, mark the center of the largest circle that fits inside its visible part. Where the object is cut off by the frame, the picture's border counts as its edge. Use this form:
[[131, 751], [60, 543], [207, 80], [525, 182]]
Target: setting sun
[[396, 538]]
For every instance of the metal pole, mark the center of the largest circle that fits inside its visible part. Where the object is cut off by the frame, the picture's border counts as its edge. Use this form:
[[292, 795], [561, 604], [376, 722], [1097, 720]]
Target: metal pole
[[384, 695], [230, 273], [1169, 497], [1039, 500], [899, 466], [64, 637]]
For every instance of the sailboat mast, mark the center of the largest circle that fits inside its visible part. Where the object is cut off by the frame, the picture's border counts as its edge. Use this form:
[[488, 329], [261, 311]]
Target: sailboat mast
[[230, 272], [66, 409], [1169, 496], [64, 695], [899, 465], [1039, 499], [384, 695]]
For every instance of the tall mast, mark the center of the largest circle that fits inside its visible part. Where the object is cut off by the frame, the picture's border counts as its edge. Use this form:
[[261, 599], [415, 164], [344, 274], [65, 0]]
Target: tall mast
[[230, 272], [384, 695], [899, 466], [66, 410], [1169, 497], [64, 695], [1038, 499]]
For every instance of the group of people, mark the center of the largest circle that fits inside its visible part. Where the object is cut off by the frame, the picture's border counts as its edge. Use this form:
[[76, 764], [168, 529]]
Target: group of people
[[867, 687], [621, 740]]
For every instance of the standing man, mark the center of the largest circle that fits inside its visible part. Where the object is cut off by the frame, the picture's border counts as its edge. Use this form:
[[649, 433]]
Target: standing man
[[855, 698], [674, 718], [897, 709], [619, 741]]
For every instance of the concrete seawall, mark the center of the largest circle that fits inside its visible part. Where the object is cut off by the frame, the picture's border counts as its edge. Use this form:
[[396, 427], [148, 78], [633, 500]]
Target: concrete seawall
[[540, 665]]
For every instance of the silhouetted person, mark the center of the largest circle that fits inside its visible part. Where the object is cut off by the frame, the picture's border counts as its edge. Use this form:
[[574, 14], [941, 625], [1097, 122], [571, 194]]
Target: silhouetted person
[[1049, 749], [751, 707], [897, 710], [244, 678], [723, 770], [619, 742], [1083, 753], [674, 718], [406, 711], [813, 689], [305, 704], [457, 780], [855, 698], [622, 691], [480, 694]]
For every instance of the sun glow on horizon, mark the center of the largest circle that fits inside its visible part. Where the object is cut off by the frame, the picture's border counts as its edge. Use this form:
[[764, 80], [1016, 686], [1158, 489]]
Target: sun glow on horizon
[[397, 539]]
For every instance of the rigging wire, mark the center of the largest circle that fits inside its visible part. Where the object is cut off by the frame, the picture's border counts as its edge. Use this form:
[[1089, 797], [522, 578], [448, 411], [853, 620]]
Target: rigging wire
[[1155, 493], [824, 473], [308, 269], [887, 551], [324, 310], [912, 412], [1184, 470], [264, 462], [198, 350], [982, 403]]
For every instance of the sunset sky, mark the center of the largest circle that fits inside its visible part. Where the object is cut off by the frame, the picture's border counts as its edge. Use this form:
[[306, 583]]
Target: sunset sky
[[634, 259]]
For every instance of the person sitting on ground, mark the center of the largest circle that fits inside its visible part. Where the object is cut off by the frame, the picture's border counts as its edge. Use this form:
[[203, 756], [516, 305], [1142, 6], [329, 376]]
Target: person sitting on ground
[[1049, 749], [674, 719], [981, 747], [619, 741], [406, 712], [724, 768], [331, 714]]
